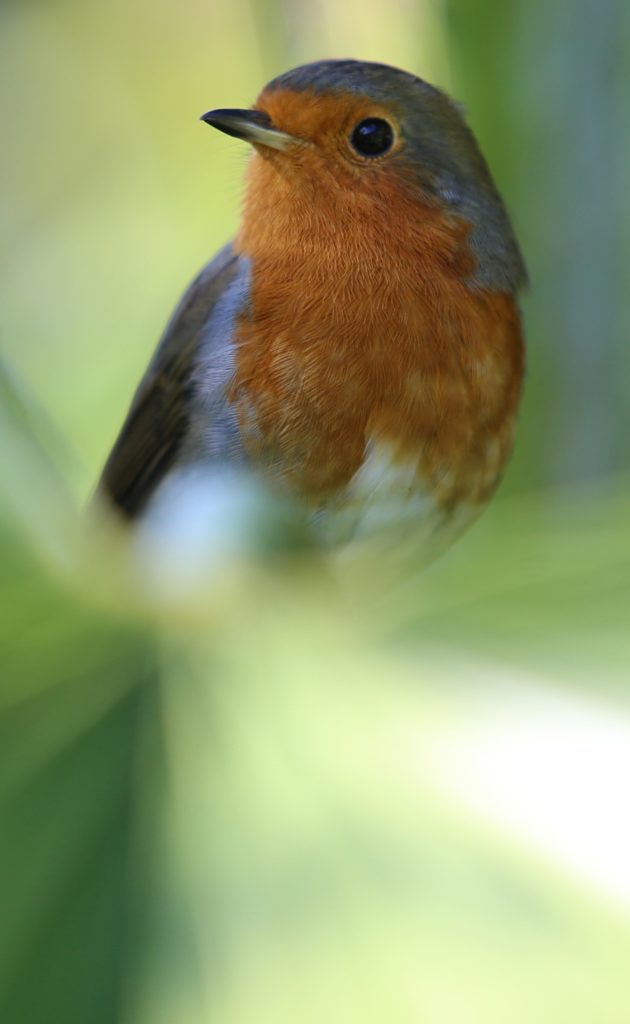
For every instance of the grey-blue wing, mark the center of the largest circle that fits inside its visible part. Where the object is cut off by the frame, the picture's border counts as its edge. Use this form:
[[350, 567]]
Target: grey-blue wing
[[159, 419]]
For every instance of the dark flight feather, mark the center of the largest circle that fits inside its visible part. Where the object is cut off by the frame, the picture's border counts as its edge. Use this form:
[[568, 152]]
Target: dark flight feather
[[159, 417]]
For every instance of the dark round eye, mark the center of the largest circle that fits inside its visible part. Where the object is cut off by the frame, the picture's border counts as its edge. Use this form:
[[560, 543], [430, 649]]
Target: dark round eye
[[372, 137]]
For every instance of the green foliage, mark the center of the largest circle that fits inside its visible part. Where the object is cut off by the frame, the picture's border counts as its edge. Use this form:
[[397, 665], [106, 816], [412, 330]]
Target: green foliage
[[248, 806]]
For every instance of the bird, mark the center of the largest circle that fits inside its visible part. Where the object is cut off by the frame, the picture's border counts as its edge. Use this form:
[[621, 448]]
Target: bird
[[358, 345]]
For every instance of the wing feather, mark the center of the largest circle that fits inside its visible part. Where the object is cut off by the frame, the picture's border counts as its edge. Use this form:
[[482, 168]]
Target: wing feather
[[159, 416]]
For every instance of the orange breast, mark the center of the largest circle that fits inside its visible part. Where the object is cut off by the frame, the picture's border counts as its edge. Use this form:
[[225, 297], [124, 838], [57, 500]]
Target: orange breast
[[362, 331]]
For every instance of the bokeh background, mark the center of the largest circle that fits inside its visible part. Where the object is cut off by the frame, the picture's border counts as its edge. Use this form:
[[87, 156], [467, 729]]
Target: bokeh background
[[266, 801]]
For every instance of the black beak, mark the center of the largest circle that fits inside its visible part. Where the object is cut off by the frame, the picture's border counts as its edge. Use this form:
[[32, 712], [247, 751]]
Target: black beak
[[251, 125]]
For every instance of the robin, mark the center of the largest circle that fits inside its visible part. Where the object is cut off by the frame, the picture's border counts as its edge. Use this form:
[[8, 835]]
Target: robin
[[358, 344]]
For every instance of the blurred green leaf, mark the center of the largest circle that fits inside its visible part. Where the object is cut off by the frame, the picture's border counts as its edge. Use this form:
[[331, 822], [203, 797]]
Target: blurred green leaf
[[248, 819]]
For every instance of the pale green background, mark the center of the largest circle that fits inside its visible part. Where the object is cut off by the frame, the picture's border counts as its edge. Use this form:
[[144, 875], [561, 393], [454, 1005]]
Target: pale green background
[[273, 800]]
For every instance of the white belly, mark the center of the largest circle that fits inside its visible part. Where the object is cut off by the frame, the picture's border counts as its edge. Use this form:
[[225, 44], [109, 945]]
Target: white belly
[[385, 505]]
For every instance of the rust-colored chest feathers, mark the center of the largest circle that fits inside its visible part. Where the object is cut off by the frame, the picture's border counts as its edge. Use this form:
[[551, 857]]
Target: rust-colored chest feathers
[[364, 333]]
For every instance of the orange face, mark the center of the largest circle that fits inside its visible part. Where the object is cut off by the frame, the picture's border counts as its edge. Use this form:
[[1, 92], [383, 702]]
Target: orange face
[[368, 214], [324, 157], [325, 123]]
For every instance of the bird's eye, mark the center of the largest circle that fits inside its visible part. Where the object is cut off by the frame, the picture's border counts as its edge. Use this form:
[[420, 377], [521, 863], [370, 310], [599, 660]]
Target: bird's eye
[[372, 137]]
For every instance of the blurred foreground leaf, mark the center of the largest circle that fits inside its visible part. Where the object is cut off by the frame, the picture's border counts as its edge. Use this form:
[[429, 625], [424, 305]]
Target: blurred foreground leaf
[[254, 810]]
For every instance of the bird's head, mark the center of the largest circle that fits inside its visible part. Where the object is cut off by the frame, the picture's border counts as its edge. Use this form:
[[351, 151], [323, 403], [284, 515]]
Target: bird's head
[[345, 136]]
